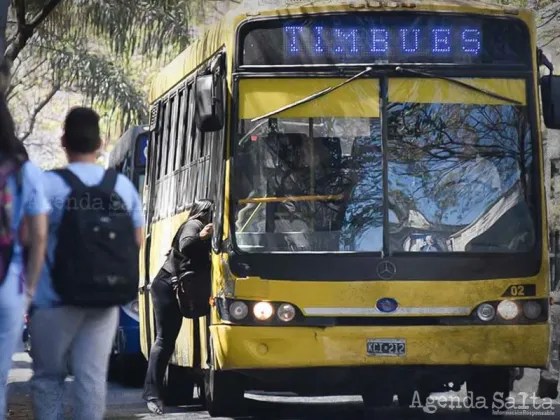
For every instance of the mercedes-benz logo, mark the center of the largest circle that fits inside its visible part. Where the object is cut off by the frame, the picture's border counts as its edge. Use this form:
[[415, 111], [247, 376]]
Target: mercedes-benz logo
[[386, 270]]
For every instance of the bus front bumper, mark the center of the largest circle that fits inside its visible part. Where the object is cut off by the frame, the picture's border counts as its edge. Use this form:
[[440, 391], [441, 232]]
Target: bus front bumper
[[243, 347]]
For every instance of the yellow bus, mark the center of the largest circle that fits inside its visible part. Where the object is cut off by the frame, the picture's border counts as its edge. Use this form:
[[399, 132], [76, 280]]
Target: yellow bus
[[380, 224]]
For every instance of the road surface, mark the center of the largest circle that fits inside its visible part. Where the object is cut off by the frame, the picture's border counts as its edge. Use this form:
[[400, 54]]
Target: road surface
[[125, 403]]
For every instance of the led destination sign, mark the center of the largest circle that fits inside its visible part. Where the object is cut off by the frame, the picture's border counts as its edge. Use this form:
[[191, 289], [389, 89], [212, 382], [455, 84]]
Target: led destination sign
[[387, 39], [381, 41]]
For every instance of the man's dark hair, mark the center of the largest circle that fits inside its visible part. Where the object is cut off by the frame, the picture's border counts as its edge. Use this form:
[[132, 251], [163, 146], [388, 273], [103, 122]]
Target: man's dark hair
[[81, 130]]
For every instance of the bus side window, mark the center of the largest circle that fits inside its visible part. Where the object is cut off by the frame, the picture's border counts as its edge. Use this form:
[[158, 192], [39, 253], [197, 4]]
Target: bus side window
[[189, 109], [171, 151], [160, 160], [198, 165], [180, 150], [189, 157], [152, 141], [180, 130], [166, 133], [161, 124], [206, 154], [172, 141], [166, 182], [217, 170]]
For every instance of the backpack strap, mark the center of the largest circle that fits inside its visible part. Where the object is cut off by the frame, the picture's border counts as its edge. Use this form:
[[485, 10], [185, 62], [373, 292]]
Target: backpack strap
[[70, 178], [109, 181]]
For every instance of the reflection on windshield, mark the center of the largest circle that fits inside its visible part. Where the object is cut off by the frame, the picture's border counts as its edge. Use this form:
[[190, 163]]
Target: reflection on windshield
[[294, 179], [459, 176], [459, 180]]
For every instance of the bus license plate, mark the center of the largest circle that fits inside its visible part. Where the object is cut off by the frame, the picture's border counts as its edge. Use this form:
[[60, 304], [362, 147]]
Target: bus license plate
[[386, 347]]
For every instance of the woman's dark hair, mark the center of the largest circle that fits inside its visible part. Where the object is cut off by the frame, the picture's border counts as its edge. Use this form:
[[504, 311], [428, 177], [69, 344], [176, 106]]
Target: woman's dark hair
[[201, 210], [10, 145]]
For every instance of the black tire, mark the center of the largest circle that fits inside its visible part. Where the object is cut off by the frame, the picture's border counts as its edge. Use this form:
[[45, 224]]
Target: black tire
[[27, 344], [199, 383], [377, 398], [178, 386], [485, 386], [128, 369], [548, 388], [112, 372], [224, 393]]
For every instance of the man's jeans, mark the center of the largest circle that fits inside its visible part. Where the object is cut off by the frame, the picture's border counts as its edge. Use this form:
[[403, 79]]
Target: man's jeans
[[11, 327], [72, 338]]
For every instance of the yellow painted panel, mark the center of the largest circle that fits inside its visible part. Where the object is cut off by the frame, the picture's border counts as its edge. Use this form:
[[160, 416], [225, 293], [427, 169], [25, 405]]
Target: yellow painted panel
[[203, 342], [152, 320], [297, 347], [142, 326], [442, 91], [359, 98]]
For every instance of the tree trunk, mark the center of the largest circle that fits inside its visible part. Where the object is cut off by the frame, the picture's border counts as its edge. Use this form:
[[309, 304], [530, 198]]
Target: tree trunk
[[27, 29], [4, 7]]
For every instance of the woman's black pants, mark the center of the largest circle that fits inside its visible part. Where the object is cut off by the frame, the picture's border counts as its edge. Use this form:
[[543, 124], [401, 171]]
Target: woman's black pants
[[168, 324]]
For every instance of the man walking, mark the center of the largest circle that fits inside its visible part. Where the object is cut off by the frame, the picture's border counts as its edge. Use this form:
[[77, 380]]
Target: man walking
[[95, 230]]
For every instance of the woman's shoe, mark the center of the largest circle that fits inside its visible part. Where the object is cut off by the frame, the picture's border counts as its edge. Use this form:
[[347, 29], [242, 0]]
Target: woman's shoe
[[155, 406]]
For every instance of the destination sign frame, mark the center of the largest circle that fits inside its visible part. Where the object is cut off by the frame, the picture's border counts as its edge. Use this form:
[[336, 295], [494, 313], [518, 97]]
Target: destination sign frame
[[385, 38]]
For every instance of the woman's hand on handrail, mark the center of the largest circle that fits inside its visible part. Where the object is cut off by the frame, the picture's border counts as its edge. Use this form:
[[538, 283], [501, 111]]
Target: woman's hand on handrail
[[207, 231]]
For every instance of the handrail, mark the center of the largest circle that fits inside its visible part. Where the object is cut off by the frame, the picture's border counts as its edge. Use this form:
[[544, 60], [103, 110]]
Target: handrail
[[291, 198]]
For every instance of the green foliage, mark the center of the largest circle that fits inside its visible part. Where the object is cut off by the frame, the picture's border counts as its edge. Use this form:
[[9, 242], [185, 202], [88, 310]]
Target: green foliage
[[106, 50], [130, 27]]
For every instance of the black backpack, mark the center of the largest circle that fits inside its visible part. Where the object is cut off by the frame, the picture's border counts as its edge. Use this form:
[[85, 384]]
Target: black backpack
[[96, 257]]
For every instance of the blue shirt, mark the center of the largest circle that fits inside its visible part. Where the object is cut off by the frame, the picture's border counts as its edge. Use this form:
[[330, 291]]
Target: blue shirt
[[30, 202], [57, 191]]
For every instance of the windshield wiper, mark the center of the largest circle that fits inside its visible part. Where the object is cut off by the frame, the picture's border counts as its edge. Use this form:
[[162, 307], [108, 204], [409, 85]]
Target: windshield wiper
[[458, 82], [313, 96], [251, 131]]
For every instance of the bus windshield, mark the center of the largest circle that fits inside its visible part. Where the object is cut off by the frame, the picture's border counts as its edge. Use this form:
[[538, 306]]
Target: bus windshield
[[458, 168]]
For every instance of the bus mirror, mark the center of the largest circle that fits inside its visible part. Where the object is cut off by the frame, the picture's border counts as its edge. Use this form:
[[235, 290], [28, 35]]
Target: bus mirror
[[209, 103], [550, 93]]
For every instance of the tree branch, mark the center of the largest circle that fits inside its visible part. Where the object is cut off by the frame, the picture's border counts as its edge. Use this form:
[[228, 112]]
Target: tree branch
[[37, 110], [550, 41], [26, 32], [549, 19], [20, 13]]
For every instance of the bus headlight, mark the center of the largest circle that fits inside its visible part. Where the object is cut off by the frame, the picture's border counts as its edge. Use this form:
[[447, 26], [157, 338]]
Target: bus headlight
[[263, 311], [532, 310], [238, 310], [486, 312], [286, 312], [508, 310]]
